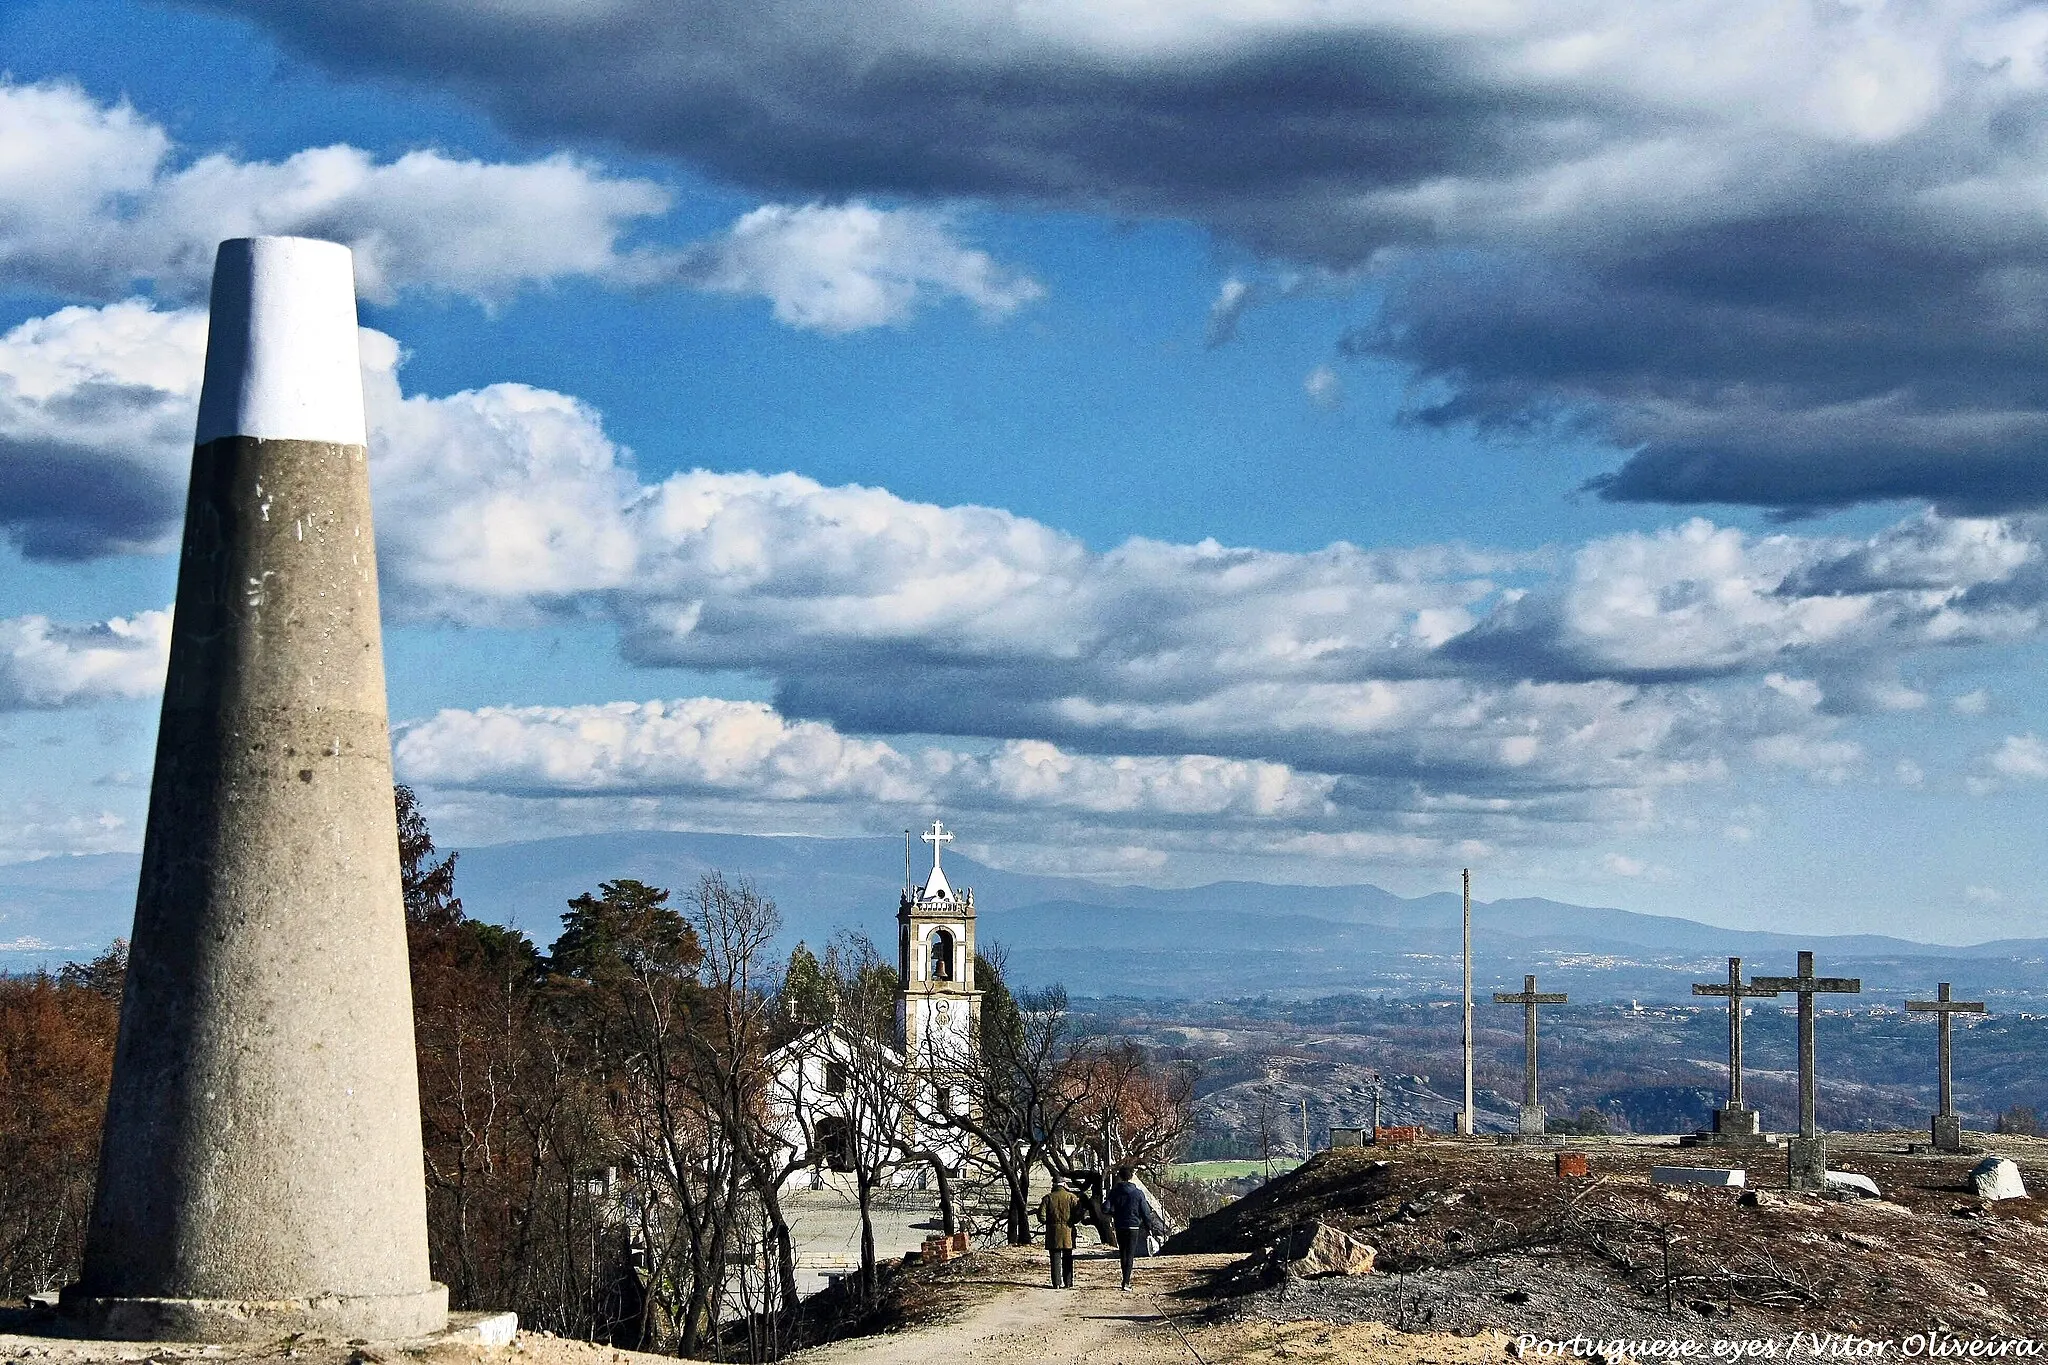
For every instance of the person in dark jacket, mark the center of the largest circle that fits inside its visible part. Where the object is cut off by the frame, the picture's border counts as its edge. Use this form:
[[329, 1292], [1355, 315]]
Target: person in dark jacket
[[1132, 1210], [1057, 1209]]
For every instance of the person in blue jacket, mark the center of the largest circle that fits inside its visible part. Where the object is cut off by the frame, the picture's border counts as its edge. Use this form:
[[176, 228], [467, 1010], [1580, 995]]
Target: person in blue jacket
[[1135, 1216]]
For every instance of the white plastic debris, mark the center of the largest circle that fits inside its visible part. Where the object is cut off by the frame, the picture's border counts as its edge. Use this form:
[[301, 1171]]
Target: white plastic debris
[[1698, 1175]]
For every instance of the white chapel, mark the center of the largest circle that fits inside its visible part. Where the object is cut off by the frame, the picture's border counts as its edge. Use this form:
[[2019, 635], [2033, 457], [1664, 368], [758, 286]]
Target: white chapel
[[820, 1105]]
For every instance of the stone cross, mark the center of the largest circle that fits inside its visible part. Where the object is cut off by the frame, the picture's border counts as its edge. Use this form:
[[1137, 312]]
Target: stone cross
[[1735, 1120], [1948, 1127], [1807, 1157], [938, 836], [1529, 999]]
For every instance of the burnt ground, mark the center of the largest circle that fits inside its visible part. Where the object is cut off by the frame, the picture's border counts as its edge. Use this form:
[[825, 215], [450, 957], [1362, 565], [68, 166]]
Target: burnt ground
[[1475, 1235]]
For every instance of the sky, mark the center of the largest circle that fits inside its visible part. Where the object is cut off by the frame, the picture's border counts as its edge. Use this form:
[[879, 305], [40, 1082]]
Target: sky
[[1601, 445]]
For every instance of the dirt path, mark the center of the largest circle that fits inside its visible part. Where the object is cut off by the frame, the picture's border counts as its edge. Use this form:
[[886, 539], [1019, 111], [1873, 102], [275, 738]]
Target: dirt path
[[999, 1311]]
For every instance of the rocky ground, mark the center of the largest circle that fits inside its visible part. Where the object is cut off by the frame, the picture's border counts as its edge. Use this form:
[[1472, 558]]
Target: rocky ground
[[1489, 1237], [1483, 1253]]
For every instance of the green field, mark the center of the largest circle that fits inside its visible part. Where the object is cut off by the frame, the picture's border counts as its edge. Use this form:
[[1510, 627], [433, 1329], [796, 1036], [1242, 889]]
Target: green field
[[1229, 1170]]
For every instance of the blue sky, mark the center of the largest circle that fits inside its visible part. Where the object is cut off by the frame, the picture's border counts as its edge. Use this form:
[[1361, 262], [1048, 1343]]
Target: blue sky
[[1300, 442]]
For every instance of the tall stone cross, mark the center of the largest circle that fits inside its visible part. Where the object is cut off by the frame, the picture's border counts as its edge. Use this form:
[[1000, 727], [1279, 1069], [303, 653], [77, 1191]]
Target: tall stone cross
[[1807, 1155], [1735, 1120], [1948, 1126], [938, 836], [1529, 999]]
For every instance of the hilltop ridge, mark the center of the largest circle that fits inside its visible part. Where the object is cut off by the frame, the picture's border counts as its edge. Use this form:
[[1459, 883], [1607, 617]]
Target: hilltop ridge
[[1220, 939]]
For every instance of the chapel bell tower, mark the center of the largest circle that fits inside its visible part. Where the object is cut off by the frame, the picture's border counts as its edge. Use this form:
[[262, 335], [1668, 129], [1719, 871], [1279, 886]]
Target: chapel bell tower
[[938, 1005]]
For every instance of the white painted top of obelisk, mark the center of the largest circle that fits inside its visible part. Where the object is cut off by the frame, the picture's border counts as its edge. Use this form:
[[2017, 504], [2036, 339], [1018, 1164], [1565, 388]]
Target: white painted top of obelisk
[[281, 358]]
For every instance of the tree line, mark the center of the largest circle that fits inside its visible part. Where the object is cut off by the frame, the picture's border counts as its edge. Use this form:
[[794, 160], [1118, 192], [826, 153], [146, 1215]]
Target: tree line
[[613, 1127]]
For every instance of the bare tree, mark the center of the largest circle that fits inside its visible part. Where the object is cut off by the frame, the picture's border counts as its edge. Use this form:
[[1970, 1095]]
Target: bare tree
[[873, 1099], [1013, 1082], [733, 1046]]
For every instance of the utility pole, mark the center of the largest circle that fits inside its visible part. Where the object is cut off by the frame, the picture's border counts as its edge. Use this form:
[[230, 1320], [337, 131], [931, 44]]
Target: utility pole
[[1305, 1153], [1465, 1117], [1266, 1131]]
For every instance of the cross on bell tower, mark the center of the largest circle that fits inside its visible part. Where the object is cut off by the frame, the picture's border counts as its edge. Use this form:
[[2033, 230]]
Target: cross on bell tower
[[937, 1004]]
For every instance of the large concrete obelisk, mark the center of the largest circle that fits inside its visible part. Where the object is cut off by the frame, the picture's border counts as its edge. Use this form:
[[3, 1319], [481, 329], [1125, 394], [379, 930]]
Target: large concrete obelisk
[[261, 1170]]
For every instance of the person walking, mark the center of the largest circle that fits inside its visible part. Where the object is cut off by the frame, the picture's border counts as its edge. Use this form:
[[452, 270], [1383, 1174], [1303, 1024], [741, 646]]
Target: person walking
[[1057, 1211], [1135, 1216]]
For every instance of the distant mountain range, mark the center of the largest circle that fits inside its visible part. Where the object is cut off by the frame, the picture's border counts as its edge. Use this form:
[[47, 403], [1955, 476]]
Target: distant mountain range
[[1227, 939]]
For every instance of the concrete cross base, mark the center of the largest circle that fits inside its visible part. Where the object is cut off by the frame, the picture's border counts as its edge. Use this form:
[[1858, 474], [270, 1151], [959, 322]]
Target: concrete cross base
[[1806, 1163], [350, 1317], [1948, 1132], [1738, 1123], [1533, 1121]]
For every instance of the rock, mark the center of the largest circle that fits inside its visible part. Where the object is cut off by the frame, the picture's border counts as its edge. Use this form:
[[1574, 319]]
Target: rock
[[1995, 1177], [1850, 1183], [1333, 1251]]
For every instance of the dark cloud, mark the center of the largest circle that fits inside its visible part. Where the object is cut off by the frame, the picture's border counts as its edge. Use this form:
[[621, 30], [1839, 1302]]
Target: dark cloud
[[63, 503], [1718, 253]]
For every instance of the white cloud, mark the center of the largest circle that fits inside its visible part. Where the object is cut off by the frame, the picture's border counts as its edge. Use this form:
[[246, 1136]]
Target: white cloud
[[745, 751], [1823, 759], [1972, 703], [845, 268], [36, 829], [46, 664], [93, 202], [2021, 756], [1699, 599], [1623, 866], [1983, 895], [1413, 679], [1323, 387]]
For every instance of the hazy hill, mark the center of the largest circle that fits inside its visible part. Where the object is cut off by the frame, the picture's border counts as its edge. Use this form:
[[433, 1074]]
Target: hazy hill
[[1224, 939]]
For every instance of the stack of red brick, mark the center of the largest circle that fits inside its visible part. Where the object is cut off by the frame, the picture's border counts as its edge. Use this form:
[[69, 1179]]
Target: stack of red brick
[[945, 1248]]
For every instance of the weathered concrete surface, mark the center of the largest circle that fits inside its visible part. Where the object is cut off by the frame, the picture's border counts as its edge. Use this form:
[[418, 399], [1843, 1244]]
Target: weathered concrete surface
[[1731, 1122], [1806, 1163], [261, 1169]]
